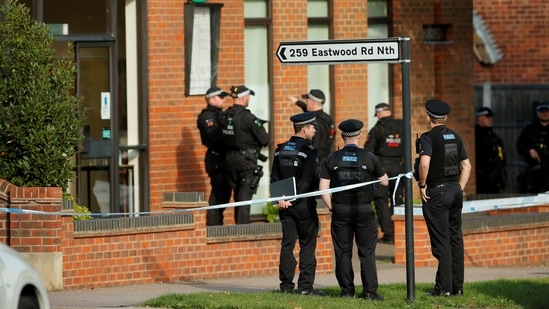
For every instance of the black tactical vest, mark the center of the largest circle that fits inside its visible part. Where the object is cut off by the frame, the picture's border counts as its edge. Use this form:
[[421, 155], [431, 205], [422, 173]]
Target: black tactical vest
[[351, 167], [445, 164], [291, 157], [389, 135], [228, 122]]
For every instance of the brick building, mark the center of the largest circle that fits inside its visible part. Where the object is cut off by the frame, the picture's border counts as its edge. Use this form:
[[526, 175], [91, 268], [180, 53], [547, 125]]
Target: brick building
[[516, 80], [137, 75], [143, 67]]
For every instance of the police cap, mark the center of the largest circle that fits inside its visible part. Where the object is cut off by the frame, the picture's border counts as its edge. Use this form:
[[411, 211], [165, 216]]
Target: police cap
[[315, 95], [542, 107], [241, 91], [382, 107], [303, 118], [485, 111], [216, 91], [350, 127], [437, 109]]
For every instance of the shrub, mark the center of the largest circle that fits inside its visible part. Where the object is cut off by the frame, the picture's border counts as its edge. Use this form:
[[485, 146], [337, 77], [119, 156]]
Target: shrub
[[40, 123], [271, 213]]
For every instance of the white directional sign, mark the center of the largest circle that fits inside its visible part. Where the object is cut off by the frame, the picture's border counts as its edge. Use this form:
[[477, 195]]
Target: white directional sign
[[337, 51]]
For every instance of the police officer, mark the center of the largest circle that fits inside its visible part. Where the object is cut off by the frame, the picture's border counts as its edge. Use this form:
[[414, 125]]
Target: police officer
[[243, 137], [384, 140], [444, 170], [352, 213], [298, 158], [211, 137], [533, 145], [325, 129], [489, 155]]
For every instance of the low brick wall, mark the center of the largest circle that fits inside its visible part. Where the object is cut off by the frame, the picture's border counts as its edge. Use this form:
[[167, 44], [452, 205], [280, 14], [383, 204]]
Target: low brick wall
[[179, 246], [506, 237], [127, 252]]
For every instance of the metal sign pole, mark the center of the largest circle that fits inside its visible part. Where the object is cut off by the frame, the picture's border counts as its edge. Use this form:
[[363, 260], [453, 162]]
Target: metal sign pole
[[408, 199]]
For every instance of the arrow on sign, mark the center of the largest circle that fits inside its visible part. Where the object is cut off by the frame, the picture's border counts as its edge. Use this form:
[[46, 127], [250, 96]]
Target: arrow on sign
[[282, 56], [337, 51]]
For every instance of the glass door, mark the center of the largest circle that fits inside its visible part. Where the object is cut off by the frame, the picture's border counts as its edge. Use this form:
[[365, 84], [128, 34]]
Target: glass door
[[96, 159]]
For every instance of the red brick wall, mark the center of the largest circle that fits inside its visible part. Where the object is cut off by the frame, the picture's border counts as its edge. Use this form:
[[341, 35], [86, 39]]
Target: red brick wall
[[350, 80], [157, 254], [30, 233], [521, 31], [176, 155], [521, 245], [93, 260], [442, 71]]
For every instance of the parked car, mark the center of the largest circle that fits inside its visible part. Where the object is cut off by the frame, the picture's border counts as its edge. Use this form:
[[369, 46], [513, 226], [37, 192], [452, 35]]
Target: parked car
[[20, 284]]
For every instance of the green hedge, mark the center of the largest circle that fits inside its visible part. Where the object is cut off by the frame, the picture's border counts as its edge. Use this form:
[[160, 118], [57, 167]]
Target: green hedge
[[40, 121]]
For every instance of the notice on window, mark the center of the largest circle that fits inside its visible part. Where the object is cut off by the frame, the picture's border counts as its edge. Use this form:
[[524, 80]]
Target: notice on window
[[105, 105], [200, 59]]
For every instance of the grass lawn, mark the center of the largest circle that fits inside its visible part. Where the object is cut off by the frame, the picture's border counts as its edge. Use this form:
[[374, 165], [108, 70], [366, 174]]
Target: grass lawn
[[528, 294]]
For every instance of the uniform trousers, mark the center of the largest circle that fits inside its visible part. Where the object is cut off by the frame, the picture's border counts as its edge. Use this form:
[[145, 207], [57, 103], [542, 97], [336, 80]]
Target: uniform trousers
[[358, 222], [239, 170], [442, 213], [300, 221], [220, 194], [383, 194]]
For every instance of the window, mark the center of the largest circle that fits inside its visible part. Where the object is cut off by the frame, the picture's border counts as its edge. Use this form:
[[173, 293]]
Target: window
[[258, 72], [379, 74], [319, 28]]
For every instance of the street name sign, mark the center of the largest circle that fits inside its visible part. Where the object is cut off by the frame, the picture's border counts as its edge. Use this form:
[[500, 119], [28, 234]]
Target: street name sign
[[339, 51]]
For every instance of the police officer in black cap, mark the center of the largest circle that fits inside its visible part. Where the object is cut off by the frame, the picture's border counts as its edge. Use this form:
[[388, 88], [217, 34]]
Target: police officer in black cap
[[211, 137], [533, 145], [489, 155], [385, 141], [444, 170], [298, 158], [325, 129], [352, 213], [243, 137]]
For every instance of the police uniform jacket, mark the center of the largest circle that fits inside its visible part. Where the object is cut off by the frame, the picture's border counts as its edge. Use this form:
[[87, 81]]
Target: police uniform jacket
[[296, 158], [211, 136], [490, 157], [325, 131], [534, 136], [249, 132], [384, 139]]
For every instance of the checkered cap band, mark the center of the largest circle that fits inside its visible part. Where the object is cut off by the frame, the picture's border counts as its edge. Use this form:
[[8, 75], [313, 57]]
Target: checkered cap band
[[312, 120], [435, 116], [350, 134]]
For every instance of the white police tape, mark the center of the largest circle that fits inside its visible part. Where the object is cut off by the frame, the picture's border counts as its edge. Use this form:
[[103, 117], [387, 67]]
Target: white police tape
[[226, 205]]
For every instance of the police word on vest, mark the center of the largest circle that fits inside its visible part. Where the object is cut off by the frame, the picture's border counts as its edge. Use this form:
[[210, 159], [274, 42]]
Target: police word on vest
[[351, 169], [228, 122], [290, 157], [391, 133]]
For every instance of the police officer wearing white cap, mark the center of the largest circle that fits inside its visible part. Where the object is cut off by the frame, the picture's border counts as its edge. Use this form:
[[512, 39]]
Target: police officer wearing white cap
[[352, 213], [243, 136], [210, 135], [533, 145], [325, 129], [444, 170], [490, 156], [298, 158]]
